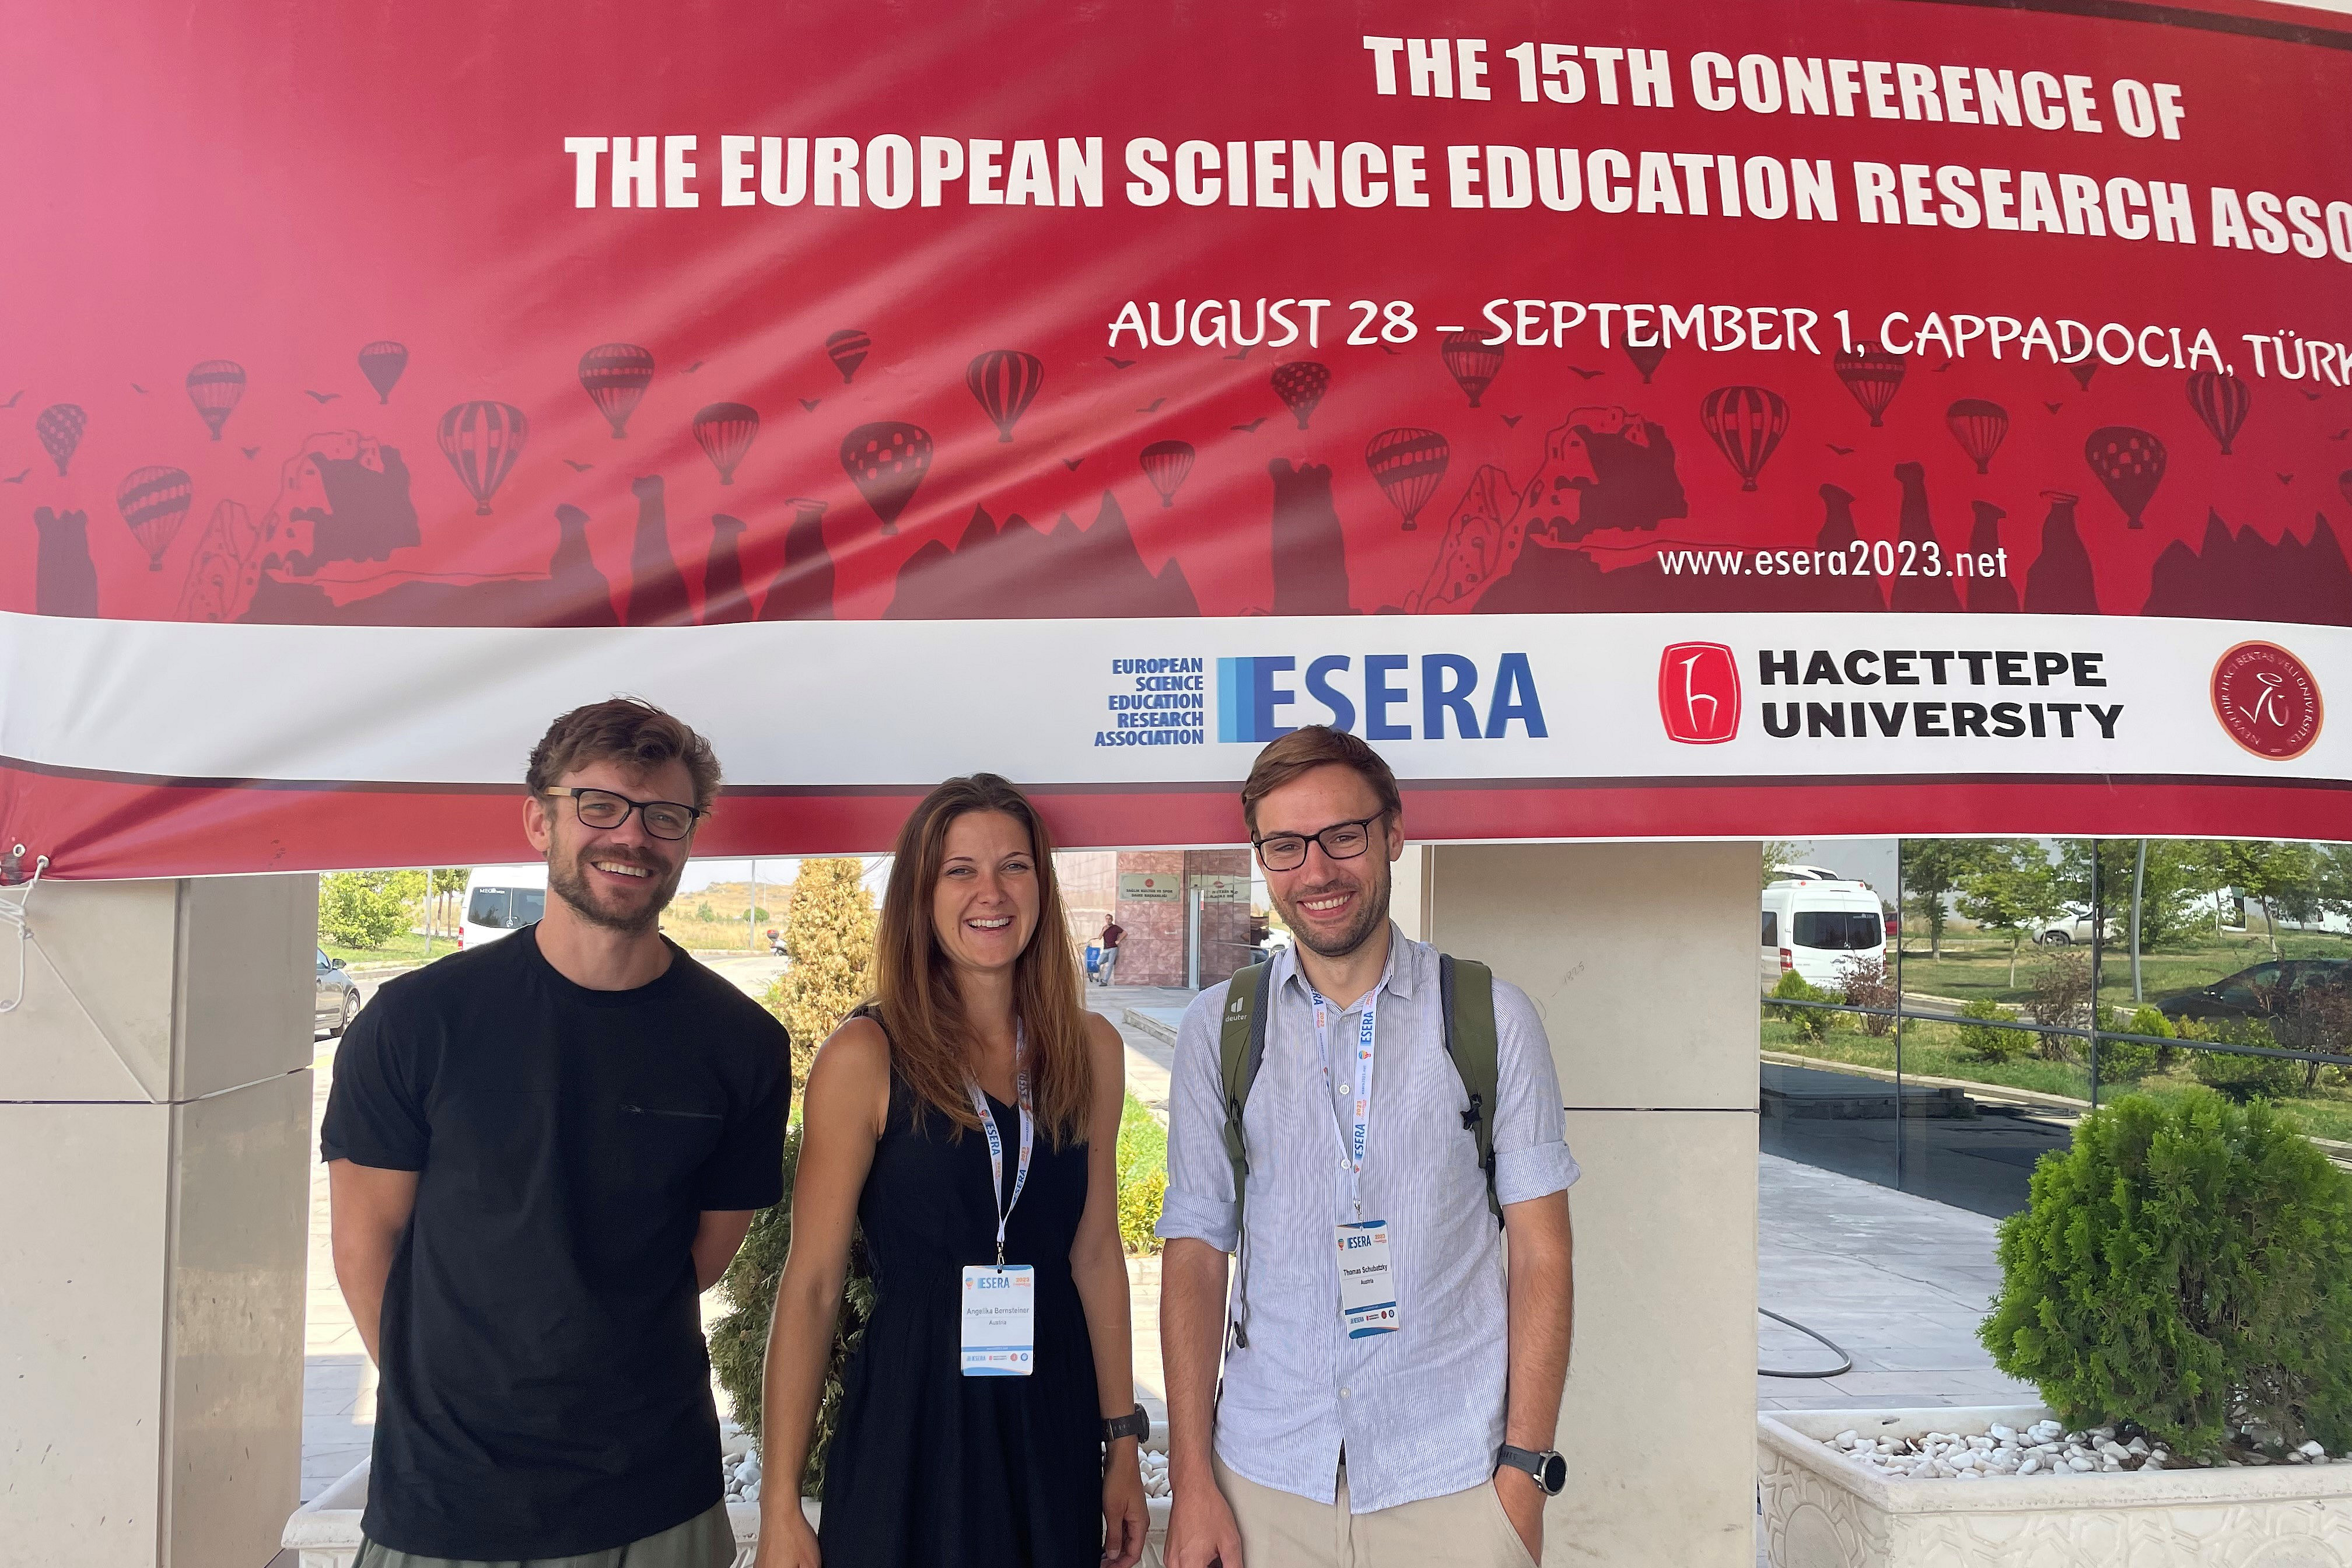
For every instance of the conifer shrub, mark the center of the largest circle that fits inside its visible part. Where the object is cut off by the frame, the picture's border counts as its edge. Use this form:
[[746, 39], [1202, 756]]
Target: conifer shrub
[[2240, 1077], [2186, 1267], [1987, 1044], [1811, 1023]]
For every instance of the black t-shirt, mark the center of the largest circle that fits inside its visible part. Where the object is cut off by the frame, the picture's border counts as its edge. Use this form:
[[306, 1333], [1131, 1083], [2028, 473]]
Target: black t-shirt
[[545, 1388]]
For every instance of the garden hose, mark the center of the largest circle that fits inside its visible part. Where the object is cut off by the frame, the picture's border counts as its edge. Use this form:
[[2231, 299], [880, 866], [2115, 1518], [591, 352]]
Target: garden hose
[[1845, 1360]]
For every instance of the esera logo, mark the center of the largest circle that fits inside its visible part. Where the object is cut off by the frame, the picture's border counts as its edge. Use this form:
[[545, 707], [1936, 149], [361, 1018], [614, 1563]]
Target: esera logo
[[1698, 693]]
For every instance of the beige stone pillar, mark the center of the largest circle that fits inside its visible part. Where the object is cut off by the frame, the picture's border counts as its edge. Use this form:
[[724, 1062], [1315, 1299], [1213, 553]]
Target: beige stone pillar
[[155, 1132], [1640, 957]]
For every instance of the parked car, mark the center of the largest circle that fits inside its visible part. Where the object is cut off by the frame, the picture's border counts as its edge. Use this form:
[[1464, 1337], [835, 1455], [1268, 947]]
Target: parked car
[[501, 898], [1805, 874], [1819, 928], [337, 1000], [2074, 926], [2263, 991]]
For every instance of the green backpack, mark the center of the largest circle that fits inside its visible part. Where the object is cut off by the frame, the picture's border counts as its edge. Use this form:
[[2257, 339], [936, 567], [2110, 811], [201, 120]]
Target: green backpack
[[1467, 990]]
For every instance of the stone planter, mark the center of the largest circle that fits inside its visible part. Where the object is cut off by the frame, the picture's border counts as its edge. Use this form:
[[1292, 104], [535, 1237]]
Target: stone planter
[[325, 1531], [1822, 1510]]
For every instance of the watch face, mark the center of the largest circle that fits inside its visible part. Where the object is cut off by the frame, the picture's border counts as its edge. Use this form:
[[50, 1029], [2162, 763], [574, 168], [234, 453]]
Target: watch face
[[1554, 1476]]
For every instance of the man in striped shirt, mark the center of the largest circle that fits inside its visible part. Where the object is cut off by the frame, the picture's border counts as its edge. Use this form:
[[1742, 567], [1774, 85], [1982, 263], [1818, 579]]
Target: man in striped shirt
[[1395, 1411]]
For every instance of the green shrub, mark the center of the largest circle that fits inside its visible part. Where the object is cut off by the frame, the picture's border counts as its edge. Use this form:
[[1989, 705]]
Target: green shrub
[[1810, 1023], [1139, 1197], [2122, 1060], [2186, 1266], [2241, 1077], [366, 909], [1988, 1044], [739, 1341]]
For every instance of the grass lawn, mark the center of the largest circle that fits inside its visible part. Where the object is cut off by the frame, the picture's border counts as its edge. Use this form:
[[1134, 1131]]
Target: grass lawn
[[408, 947], [1972, 968], [1933, 1050]]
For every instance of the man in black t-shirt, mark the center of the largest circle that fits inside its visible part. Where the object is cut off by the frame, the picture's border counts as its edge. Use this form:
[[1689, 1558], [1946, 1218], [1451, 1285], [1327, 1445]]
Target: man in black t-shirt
[[1113, 934], [541, 1151]]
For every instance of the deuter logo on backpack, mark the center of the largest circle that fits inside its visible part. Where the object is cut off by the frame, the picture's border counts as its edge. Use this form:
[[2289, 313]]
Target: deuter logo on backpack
[[1698, 693]]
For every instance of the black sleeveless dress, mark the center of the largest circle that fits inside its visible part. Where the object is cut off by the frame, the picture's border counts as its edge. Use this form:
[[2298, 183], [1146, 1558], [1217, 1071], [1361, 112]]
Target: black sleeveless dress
[[929, 1467]]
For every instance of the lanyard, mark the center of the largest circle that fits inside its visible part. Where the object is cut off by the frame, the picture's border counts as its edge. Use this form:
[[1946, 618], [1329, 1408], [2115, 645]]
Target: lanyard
[[1351, 1149], [997, 1150]]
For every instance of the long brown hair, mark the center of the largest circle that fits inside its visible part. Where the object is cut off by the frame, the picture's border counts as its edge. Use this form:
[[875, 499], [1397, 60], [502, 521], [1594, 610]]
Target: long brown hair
[[915, 985]]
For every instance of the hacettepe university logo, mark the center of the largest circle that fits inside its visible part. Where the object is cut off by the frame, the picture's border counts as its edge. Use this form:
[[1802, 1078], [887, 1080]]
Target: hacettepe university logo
[[1698, 693]]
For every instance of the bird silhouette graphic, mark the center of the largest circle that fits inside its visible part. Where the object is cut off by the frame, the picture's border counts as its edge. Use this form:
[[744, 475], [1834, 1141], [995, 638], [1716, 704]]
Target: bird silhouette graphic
[[2286, 478], [1511, 421], [2054, 407], [578, 468], [2308, 394], [694, 366], [139, 389], [321, 397], [2341, 434], [1940, 368], [810, 403], [1072, 463], [12, 402], [1385, 348], [1251, 429], [1151, 407], [1841, 451], [18, 481], [250, 452], [1244, 354], [1587, 374], [1120, 364]]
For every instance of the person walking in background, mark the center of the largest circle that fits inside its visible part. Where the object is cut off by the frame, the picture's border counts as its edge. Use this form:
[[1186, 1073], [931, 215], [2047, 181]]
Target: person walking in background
[[539, 1153], [968, 1118], [1113, 934], [1389, 1395]]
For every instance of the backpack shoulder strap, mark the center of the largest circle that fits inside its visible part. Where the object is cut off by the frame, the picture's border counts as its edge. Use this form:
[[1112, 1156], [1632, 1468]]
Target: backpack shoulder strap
[[1241, 1049], [1467, 991]]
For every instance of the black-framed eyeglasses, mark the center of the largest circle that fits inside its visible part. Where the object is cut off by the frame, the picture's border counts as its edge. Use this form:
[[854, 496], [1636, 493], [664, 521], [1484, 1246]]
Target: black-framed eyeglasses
[[1340, 841], [602, 808]]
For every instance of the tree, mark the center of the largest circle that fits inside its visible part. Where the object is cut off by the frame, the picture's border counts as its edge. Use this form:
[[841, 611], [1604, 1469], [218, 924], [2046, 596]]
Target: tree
[[1778, 852], [829, 939], [2013, 890], [2179, 871], [1932, 867], [366, 909], [2286, 878]]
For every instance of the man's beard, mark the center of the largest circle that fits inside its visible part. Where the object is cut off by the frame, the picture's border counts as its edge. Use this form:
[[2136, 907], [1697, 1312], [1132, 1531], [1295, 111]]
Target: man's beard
[[570, 882], [1371, 912]]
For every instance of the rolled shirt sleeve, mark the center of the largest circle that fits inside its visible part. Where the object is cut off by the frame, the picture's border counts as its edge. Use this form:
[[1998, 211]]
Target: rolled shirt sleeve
[[1200, 1203], [1531, 1154]]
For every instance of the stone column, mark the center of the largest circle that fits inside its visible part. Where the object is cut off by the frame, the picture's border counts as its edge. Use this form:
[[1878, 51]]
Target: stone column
[[154, 1133], [1640, 958]]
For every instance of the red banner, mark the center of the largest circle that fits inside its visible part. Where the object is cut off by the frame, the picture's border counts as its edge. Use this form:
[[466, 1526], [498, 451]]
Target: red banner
[[526, 339]]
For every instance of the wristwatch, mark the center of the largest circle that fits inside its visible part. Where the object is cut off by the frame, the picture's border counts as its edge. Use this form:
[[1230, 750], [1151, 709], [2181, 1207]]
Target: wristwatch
[[1549, 1471], [1135, 1423]]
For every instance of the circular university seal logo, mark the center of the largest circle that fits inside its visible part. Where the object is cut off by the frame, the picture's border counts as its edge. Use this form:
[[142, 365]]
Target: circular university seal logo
[[2267, 700]]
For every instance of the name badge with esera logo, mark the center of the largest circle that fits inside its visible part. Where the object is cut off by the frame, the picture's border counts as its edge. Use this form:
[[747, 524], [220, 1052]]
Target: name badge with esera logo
[[1000, 1321], [1368, 1297]]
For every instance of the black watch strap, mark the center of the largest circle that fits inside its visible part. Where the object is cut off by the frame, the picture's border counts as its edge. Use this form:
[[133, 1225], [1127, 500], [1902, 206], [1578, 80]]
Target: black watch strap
[[1549, 1471], [1135, 1423]]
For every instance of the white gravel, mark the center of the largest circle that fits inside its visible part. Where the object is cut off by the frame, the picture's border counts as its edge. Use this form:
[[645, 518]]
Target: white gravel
[[2043, 1449]]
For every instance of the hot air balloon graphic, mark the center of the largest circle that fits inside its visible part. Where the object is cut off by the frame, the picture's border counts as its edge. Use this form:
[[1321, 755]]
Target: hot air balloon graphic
[[482, 441], [2129, 462], [1873, 375], [1744, 423], [1471, 363], [382, 361], [2221, 402], [1408, 463], [726, 431], [154, 502], [1006, 381], [1165, 464], [847, 349], [1978, 427], [215, 387], [2082, 370], [886, 460], [60, 429], [1301, 384], [614, 376], [1645, 359]]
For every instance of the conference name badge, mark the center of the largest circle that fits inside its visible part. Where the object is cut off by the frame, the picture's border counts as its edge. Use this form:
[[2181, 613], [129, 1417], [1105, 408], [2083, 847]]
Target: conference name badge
[[1000, 1321], [1368, 1297]]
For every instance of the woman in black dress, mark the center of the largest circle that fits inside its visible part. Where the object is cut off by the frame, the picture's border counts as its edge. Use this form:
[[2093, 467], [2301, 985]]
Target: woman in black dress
[[969, 1435]]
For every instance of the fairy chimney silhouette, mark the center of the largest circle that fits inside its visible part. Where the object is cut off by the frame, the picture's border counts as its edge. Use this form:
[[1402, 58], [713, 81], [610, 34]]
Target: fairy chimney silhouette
[[2059, 583], [1988, 594], [579, 594], [802, 589], [723, 598], [1921, 592], [656, 588]]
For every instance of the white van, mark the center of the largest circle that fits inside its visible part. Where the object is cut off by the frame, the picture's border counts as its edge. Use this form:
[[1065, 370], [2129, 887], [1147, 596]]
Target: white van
[[1818, 928], [501, 898]]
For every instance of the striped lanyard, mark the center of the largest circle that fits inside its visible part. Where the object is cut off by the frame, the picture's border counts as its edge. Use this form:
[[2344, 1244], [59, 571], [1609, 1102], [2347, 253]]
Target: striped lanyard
[[1351, 1148], [996, 1144]]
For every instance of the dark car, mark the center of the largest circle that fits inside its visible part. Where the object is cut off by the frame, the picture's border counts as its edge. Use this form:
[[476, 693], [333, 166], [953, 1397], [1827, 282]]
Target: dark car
[[2265, 990], [338, 1001]]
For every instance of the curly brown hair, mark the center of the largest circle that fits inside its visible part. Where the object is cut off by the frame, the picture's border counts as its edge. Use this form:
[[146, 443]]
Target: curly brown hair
[[1314, 746], [626, 730]]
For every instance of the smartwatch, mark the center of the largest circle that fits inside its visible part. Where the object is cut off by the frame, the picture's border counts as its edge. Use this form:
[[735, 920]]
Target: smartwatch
[[1549, 1471], [1135, 1423]]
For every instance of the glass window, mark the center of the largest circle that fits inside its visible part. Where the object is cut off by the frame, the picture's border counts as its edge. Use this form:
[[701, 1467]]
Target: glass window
[[1837, 930], [529, 903], [1771, 928], [488, 907]]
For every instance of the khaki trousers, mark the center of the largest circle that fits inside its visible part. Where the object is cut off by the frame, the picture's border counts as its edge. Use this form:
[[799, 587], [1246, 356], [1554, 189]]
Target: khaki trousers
[[706, 1541], [1283, 1530]]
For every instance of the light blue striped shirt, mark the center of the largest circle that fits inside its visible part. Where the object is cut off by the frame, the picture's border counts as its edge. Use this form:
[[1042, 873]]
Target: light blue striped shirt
[[1419, 1412]]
